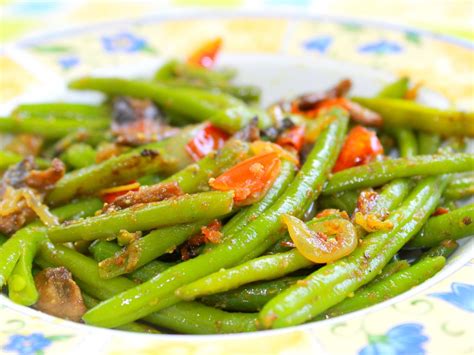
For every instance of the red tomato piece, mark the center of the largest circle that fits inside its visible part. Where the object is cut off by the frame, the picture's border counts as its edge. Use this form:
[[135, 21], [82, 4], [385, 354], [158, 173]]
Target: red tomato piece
[[361, 147], [250, 179], [294, 137], [207, 140], [321, 106], [206, 55]]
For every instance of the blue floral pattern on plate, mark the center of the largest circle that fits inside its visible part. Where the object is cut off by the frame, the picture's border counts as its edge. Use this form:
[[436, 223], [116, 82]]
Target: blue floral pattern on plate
[[400, 340], [381, 47], [34, 343], [67, 62], [124, 42], [320, 44], [462, 296]]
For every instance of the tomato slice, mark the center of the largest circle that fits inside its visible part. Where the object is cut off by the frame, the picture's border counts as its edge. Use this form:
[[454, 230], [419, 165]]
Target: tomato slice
[[205, 56], [361, 146], [207, 140], [109, 195], [323, 241], [250, 179], [293, 137]]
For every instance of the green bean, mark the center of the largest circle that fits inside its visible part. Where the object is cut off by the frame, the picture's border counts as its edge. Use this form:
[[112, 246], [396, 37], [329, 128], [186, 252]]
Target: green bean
[[248, 214], [79, 155], [445, 248], [249, 298], [407, 142], [428, 143], [179, 318], [150, 247], [158, 293], [50, 128], [395, 90], [332, 283], [344, 201], [195, 177], [453, 225], [409, 114], [193, 208], [165, 156], [9, 158], [222, 110], [9, 254], [175, 68], [3, 239], [378, 173], [460, 187], [389, 269], [21, 285], [264, 268], [91, 302], [64, 110], [390, 287]]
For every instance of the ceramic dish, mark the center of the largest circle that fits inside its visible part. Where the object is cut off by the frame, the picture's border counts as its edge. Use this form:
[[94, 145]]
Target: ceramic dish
[[285, 55]]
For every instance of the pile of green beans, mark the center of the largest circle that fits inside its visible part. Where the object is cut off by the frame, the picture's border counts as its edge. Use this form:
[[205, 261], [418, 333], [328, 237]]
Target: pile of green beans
[[159, 265]]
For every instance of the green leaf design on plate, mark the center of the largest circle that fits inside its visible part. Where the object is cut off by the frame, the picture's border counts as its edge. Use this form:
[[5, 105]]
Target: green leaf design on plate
[[51, 49], [59, 337], [413, 37]]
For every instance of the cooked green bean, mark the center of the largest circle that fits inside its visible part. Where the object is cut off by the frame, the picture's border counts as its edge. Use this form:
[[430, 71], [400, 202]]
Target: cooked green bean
[[379, 173], [389, 269], [390, 287], [395, 90], [249, 298], [453, 225], [150, 247], [428, 143], [175, 68], [168, 155], [445, 248], [51, 128], [334, 282], [344, 200], [64, 110], [222, 110], [405, 113], [79, 155], [197, 207], [460, 187], [255, 237], [264, 268], [407, 142]]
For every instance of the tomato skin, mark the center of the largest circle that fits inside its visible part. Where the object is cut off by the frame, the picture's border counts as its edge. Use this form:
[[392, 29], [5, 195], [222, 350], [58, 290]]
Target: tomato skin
[[249, 179], [322, 106], [294, 137], [361, 147], [207, 140], [205, 56], [121, 190]]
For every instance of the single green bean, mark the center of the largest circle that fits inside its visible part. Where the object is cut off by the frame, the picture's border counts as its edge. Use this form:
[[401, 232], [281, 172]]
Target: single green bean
[[248, 214], [158, 293], [407, 142], [249, 298], [79, 156], [166, 156], [179, 318], [389, 269], [222, 110], [453, 225], [428, 143], [460, 187], [21, 285], [405, 113], [344, 201], [3, 239], [193, 208], [135, 327], [175, 68], [445, 248], [152, 246], [264, 268], [378, 173], [332, 283], [51, 128], [64, 110], [390, 287]]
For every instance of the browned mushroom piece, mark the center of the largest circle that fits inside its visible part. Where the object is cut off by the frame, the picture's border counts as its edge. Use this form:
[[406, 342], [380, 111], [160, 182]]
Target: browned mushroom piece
[[45, 179], [59, 295], [309, 101], [146, 194]]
